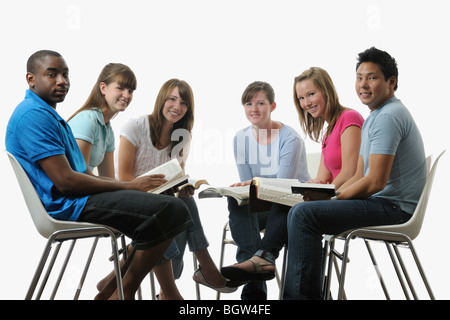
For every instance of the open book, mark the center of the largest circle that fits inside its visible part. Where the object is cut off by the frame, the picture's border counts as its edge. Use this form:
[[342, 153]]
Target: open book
[[282, 190], [241, 194], [194, 183], [174, 175]]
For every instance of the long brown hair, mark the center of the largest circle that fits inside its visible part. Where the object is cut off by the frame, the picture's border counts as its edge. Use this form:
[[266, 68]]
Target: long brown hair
[[156, 118], [112, 72], [322, 80]]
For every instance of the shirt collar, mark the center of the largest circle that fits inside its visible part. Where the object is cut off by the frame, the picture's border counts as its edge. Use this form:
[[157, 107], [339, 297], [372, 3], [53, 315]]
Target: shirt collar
[[99, 115], [30, 94]]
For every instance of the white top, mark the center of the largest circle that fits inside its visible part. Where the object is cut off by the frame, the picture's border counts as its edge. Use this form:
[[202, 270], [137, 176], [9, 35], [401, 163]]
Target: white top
[[147, 157]]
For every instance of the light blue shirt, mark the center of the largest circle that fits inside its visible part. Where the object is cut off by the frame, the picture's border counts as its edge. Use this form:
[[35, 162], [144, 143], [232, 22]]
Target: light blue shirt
[[284, 158], [391, 130], [36, 131], [89, 125]]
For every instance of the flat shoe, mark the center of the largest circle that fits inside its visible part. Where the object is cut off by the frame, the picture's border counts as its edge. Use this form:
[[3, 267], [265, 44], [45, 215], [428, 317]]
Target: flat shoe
[[238, 274], [204, 281]]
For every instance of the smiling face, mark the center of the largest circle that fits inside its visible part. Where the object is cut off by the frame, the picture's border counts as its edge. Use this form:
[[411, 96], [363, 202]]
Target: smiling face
[[174, 108], [50, 81], [371, 86], [311, 98], [117, 97], [258, 110]]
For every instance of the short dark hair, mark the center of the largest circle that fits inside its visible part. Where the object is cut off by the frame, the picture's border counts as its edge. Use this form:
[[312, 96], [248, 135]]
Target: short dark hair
[[387, 64], [36, 57], [255, 87]]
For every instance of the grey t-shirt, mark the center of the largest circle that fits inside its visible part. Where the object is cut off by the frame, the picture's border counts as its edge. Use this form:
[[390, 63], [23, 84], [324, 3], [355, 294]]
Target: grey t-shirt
[[391, 130]]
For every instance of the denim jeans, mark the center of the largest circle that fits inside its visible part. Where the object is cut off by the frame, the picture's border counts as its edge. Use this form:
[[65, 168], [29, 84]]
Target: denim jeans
[[148, 219], [194, 236], [275, 235], [245, 227], [308, 221]]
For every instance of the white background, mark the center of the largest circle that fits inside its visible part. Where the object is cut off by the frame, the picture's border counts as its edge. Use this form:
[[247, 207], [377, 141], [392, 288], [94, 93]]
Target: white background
[[219, 47]]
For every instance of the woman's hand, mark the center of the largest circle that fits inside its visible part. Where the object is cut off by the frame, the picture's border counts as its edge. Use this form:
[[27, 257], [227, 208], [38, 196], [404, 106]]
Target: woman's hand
[[186, 192], [241, 184]]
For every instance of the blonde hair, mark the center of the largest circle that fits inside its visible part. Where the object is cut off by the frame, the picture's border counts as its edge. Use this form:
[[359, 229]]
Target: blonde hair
[[112, 72], [313, 127]]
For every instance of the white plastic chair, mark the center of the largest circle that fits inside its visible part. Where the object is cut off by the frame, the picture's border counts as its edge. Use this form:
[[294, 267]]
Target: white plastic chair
[[57, 231], [393, 236]]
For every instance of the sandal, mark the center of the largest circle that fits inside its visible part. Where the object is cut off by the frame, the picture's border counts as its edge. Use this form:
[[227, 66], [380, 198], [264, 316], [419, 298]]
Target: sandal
[[204, 281], [238, 274]]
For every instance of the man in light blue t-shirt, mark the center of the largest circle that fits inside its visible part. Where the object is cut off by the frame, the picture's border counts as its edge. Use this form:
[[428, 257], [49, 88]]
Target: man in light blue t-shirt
[[385, 189]]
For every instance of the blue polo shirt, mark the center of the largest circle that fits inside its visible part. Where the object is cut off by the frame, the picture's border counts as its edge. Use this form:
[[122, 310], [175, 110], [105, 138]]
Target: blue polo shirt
[[36, 131]]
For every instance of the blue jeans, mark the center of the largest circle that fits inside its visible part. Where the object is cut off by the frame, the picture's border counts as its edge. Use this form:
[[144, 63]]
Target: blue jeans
[[245, 227], [194, 236], [308, 221]]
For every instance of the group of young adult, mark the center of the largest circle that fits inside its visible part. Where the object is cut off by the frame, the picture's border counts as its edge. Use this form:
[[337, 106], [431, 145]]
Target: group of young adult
[[372, 164]]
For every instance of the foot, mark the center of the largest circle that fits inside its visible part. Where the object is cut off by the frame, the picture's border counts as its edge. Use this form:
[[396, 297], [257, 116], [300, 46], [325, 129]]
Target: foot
[[254, 269], [222, 287]]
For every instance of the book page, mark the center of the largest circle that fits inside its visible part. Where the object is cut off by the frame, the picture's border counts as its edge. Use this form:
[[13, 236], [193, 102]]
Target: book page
[[171, 169]]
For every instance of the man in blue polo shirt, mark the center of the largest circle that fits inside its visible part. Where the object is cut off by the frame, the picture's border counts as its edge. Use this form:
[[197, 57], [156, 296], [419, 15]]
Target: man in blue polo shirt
[[45, 147], [385, 189]]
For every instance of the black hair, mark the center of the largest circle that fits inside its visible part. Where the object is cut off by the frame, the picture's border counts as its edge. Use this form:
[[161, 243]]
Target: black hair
[[387, 64], [36, 57]]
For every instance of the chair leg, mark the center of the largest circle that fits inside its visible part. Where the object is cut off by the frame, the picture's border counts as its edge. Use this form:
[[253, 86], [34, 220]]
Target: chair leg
[[327, 261], [377, 270], [397, 271], [421, 271], [405, 271], [152, 284], [63, 269], [40, 268], [86, 268], [343, 268], [283, 274], [116, 262], [222, 254]]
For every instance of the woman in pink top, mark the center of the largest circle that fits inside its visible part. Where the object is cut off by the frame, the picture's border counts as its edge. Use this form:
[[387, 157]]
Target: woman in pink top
[[318, 104]]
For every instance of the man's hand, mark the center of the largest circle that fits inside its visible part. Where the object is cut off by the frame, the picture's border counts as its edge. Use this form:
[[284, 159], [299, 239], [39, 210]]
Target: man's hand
[[147, 183]]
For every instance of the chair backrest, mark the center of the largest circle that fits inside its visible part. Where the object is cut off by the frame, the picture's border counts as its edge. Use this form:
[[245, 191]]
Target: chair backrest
[[313, 161], [43, 222], [413, 226]]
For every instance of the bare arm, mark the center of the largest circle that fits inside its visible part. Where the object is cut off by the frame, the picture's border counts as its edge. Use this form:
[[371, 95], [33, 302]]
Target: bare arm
[[70, 182], [350, 145], [106, 168], [323, 174], [360, 186], [127, 153]]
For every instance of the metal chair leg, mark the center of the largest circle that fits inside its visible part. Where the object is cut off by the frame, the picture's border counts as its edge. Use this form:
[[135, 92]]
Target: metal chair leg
[[377, 270], [63, 269], [197, 286], [86, 268]]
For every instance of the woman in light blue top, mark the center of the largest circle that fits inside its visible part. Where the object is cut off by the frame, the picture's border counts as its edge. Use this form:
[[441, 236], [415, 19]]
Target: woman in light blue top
[[91, 125], [270, 149]]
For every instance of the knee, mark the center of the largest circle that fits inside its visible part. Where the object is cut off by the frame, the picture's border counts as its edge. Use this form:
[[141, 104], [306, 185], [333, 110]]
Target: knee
[[177, 207], [299, 214]]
